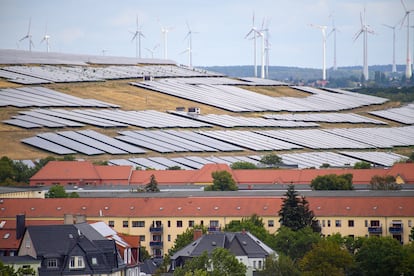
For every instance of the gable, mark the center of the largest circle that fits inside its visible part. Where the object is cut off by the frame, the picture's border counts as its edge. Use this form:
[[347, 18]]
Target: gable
[[64, 170]]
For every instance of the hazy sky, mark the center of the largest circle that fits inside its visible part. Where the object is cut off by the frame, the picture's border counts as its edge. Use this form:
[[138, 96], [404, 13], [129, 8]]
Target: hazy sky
[[91, 26]]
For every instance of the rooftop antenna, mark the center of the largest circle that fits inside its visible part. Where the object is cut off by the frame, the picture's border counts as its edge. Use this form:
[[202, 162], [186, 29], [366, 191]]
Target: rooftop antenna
[[137, 36], [28, 36], [323, 30], [394, 66], [46, 38], [408, 72], [253, 32], [365, 29]]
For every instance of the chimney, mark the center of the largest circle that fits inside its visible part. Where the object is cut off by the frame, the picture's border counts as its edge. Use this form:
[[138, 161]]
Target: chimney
[[20, 225], [197, 234]]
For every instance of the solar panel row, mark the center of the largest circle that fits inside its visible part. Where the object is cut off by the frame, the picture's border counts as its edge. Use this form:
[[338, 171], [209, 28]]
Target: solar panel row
[[229, 121], [236, 99], [301, 160], [325, 117], [44, 97], [404, 115], [173, 141], [50, 74]]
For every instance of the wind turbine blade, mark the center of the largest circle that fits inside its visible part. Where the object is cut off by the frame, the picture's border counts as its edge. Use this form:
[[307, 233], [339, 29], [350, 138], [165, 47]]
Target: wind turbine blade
[[405, 7], [30, 23], [388, 26], [251, 31], [358, 34], [23, 38]]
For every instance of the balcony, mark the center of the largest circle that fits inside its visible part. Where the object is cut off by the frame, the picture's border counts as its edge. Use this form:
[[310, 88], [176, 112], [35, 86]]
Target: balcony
[[156, 229], [395, 230], [158, 244], [214, 229], [375, 230]]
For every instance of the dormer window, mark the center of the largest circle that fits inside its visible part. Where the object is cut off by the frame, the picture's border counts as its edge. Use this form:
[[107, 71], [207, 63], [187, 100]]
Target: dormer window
[[52, 263], [94, 261], [76, 262]]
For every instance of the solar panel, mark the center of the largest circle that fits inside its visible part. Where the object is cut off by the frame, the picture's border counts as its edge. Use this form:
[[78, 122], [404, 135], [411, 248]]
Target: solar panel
[[188, 162], [379, 158], [47, 145], [21, 123], [39, 121], [148, 164], [144, 144], [67, 123], [168, 162], [69, 143], [91, 142], [112, 141]]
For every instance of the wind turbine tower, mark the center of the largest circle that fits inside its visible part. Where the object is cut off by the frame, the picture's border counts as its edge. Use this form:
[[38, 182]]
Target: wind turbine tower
[[365, 29], [394, 66], [253, 31], [137, 36], [189, 36], [164, 32], [323, 30], [334, 31], [46, 38], [267, 48], [28, 36], [408, 72]]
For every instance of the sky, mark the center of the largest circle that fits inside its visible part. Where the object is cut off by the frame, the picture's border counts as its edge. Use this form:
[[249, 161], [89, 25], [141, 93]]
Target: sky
[[105, 27]]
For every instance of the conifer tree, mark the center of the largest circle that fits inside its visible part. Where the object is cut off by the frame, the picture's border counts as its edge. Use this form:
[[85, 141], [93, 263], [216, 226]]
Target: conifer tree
[[152, 186], [295, 213]]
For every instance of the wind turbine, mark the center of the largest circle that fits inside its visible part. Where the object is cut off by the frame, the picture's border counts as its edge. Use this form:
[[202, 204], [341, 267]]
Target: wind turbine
[[267, 48], [334, 31], [152, 50], [323, 30], [46, 38], [253, 31], [365, 29], [28, 36], [164, 32], [189, 36], [137, 36], [408, 72], [394, 66]]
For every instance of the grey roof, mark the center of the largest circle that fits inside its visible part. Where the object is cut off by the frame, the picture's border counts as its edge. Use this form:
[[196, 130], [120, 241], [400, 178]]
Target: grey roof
[[59, 241], [239, 243]]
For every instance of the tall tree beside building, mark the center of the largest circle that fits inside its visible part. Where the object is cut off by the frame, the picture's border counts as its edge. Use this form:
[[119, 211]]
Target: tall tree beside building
[[222, 181], [152, 186], [295, 213]]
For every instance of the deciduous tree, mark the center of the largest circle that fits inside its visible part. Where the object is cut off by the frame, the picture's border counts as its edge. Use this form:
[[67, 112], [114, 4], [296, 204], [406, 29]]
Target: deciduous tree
[[152, 186], [271, 160], [332, 182], [222, 181]]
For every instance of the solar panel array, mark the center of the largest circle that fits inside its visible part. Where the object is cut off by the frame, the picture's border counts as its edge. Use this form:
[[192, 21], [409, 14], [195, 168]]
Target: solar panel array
[[259, 81], [376, 157], [87, 142], [404, 115], [229, 121], [236, 99], [174, 141], [102, 118], [56, 74], [325, 117], [44, 97], [301, 160]]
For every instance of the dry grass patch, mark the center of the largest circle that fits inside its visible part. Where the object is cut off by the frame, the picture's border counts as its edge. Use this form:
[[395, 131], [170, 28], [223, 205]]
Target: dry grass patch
[[277, 91]]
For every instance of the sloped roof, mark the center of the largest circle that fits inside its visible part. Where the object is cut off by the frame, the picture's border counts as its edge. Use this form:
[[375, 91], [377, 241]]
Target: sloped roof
[[164, 177], [66, 170], [192, 206], [113, 172], [239, 243], [204, 174]]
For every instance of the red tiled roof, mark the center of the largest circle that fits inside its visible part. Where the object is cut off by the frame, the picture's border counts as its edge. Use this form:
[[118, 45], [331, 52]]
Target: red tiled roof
[[204, 174], [239, 206], [139, 177], [114, 172], [66, 170]]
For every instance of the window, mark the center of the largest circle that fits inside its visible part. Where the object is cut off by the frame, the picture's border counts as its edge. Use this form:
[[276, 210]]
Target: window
[[51, 263], [350, 223], [323, 223], [27, 244], [142, 238], [125, 223], [254, 264], [179, 223], [366, 223], [260, 264], [76, 262], [169, 223], [111, 223], [138, 223], [338, 223], [270, 223], [214, 223], [329, 223], [375, 223], [94, 261], [191, 223], [410, 224], [169, 237], [202, 222]]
